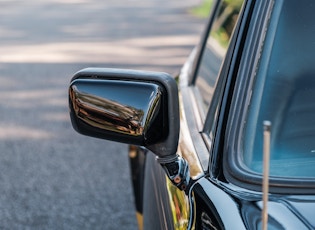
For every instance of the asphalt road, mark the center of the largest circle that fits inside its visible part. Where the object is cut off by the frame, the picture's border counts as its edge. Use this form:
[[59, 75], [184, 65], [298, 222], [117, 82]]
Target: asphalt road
[[50, 176]]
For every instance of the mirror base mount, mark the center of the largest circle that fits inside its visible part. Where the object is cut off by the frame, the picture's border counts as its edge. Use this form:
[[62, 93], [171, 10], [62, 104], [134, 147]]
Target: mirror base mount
[[177, 170]]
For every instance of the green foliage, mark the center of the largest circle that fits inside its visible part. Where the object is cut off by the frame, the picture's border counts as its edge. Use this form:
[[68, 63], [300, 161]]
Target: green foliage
[[235, 3], [203, 10]]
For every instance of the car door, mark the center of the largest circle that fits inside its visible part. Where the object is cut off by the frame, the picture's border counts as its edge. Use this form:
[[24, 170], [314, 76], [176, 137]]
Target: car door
[[213, 85], [202, 83]]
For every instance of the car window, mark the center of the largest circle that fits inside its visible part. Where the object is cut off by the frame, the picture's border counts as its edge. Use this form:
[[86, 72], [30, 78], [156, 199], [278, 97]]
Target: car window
[[283, 93], [215, 50]]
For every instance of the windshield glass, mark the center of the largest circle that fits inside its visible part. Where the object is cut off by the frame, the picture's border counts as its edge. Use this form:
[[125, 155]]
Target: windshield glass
[[283, 92]]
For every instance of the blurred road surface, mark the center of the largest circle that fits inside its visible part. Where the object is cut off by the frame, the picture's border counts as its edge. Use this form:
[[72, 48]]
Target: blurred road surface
[[50, 176]]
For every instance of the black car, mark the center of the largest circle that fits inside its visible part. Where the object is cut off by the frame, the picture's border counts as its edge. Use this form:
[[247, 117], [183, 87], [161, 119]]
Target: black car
[[197, 140]]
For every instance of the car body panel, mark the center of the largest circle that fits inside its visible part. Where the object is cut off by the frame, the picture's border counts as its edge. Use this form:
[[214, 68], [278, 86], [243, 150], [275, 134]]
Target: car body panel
[[285, 212]]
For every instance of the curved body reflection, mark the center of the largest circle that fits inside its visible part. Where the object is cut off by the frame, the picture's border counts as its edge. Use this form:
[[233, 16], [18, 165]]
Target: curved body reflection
[[120, 107], [107, 114]]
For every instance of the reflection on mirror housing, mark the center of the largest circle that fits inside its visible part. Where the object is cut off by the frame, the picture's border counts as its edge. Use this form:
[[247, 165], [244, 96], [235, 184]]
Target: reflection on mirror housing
[[134, 107], [121, 111]]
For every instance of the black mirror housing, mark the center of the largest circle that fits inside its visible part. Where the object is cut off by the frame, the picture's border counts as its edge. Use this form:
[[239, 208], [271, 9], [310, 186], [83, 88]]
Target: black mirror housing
[[134, 107]]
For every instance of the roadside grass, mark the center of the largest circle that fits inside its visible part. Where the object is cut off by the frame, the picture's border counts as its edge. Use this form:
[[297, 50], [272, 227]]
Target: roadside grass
[[203, 10]]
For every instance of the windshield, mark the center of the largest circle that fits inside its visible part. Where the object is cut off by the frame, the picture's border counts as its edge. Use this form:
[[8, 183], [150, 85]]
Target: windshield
[[283, 92]]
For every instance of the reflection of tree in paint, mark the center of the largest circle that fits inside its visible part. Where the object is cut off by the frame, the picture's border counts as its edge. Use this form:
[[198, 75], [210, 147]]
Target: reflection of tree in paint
[[179, 206], [224, 24]]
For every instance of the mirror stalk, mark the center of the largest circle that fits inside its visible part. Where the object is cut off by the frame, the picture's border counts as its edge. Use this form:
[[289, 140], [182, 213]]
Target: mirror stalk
[[177, 170]]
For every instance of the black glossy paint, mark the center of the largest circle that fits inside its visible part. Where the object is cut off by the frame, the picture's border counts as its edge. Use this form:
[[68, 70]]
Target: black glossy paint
[[137, 158], [157, 212], [228, 207]]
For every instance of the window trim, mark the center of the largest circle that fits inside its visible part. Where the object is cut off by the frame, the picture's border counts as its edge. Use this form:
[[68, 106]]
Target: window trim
[[227, 75], [203, 42], [218, 93]]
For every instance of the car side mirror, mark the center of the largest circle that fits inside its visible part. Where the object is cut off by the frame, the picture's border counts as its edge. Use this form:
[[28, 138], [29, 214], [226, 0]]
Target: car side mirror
[[134, 107], [128, 106]]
